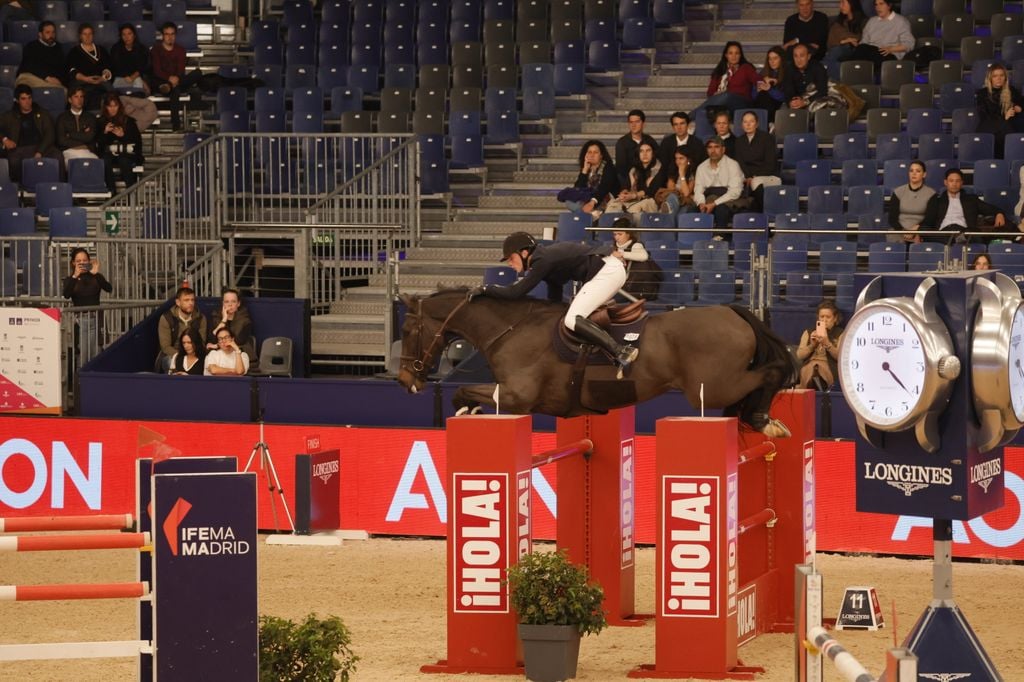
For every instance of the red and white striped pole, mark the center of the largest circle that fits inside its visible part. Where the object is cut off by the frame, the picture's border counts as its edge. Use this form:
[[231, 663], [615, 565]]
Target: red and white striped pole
[[73, 591], [85, 522], [60, 543]]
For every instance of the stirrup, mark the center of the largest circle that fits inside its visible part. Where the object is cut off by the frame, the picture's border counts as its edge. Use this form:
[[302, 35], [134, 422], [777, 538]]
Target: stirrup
[[626, 355]]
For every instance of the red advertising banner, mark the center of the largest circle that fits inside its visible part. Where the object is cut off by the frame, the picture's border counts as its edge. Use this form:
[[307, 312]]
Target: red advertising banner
[[394, 481]]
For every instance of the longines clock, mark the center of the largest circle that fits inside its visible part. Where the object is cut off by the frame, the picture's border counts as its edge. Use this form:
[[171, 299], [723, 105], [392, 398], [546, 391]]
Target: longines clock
[[997, 361]]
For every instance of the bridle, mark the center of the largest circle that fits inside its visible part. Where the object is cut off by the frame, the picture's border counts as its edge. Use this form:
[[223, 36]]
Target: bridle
[[422, 359]]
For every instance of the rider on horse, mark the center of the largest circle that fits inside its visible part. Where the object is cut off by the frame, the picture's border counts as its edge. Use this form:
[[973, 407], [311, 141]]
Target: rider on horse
[[556, 264]]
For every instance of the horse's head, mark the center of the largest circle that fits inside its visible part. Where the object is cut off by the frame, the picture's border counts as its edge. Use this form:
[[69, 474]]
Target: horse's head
[[426, 319]]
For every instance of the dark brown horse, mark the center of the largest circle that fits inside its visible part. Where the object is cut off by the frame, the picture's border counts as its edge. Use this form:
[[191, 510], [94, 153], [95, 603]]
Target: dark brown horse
[[737, 360]]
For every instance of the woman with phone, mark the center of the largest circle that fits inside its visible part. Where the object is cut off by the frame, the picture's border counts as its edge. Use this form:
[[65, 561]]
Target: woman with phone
[[818, 351], [83, 287]]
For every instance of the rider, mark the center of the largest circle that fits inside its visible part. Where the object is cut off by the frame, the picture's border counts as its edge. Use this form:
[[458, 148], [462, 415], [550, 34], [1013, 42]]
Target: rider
[[556, 264]]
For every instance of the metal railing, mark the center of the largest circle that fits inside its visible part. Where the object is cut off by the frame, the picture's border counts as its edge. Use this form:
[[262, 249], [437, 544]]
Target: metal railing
[[342, 255], [33, 269]]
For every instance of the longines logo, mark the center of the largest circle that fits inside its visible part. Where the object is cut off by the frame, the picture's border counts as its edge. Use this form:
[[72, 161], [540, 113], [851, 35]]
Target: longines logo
[[983, 474], [944, 677], [907, 477], [888, 345]]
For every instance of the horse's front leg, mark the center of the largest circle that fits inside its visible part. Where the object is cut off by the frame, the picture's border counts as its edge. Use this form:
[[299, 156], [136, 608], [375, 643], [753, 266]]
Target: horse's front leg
[[469, 399]]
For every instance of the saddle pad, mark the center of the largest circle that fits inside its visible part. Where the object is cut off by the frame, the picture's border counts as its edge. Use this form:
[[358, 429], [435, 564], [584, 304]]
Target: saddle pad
[[567, 347]]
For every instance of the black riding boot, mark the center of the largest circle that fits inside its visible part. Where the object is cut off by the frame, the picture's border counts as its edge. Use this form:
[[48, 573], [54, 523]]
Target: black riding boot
[[594, 334]]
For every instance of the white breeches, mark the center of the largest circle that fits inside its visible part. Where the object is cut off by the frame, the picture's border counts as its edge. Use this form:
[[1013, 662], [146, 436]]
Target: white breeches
[[602, 288]]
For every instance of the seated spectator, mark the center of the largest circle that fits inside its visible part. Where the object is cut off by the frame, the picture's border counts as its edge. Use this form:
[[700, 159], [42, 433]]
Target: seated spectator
[[999, 107], [188, 361], [732, 83], [908, 203], [680, 137], [805, 81], [818, 351], [1018, 210], [76, 128], [173, 322], [628, 246], [643, 276], [234, 316], [722, 124], [981, 262], [88, 65], [769, 95], [806, 27], [228, 359], [956, 211], [677, 195], [627, 146], [758, 158], [27, 131], [645, 179], [597, 182], [129, 61], [885, 37], [167, 61], [719, 183], [118, 141], [845, 31], [42, 60]]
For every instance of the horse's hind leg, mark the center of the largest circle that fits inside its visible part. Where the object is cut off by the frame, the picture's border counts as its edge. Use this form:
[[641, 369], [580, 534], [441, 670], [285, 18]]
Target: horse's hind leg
[[755, 407], [470, 398]]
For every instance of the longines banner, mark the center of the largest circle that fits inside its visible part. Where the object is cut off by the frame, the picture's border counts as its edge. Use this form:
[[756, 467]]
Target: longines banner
[[30, 360], [393, 481]]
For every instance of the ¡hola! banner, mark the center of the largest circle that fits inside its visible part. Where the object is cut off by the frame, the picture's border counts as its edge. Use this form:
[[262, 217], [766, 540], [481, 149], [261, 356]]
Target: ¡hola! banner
[[394, 482]]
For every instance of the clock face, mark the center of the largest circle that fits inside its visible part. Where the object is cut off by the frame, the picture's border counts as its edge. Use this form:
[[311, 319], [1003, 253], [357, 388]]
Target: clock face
[[1016, 363], [883, 367]]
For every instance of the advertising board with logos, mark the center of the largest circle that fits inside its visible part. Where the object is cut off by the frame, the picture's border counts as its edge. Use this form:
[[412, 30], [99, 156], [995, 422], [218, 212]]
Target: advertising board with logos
[[30, 379]]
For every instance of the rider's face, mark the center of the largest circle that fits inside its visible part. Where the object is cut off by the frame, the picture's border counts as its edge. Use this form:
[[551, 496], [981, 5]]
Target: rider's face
[[516, 262]]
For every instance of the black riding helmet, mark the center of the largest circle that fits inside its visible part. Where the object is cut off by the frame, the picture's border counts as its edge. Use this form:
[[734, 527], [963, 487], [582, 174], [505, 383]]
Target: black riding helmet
[[516, 242]]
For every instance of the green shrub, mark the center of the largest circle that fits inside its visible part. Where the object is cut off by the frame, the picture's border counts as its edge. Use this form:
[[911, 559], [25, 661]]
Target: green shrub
[[547, 589], [317, 650]]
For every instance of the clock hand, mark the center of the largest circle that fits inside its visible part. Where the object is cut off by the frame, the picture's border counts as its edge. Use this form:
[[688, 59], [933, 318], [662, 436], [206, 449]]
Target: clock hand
[[1017, 365], [885, 366]]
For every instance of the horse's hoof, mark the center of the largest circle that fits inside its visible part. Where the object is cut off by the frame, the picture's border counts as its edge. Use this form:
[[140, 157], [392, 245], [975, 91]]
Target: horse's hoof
[[776, 429], [461, 411], [477, 410]]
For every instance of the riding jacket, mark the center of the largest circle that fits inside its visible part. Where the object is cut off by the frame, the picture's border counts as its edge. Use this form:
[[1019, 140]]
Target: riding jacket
[[555, 264]]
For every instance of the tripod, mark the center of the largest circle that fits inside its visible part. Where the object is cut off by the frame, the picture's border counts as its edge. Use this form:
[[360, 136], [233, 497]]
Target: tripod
[[266, 463]]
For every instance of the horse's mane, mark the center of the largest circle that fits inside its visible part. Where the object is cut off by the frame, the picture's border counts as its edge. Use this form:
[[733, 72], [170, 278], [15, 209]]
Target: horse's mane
[[539, 303]]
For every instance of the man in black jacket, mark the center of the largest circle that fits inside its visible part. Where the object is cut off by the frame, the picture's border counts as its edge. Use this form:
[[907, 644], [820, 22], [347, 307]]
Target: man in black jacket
[[629, 144], [42, 60], [804, 80], [26, 131], [807, 27], [757, 154], [956, 211], [680, 137]]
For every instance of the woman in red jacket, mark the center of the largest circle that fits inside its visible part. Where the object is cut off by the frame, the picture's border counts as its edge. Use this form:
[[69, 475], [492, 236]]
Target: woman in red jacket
[[732, 83]]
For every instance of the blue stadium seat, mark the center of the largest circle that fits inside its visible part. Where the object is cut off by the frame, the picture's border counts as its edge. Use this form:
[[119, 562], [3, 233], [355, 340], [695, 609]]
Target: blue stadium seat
[[991, 174], [936, 172], [70, 221], [270, 99], [863, 199], [638, 33], [538, 103], [794, 221], [824, 199], [893, 146], [798, 147], [52, 195], [269, 54], [235, 122], [1009, 258], [700, 223], [973, 147], [9, 194], [500, 275], [716, 287], [924, 256], [603, 30], [657, 221], [965, 120], [859, 172], [669, 12], [346, 99], [10, 54], [570, 79], [299, 76], [53, 98], [572, 226], [803, 289], [334, 11], [953, 96], [1005, 199], [168, 10], [781, 199], [87, 10], [36, 171], [834, 223], [849, 146], [678, 288], [603, 56], [871, 227], [887, 257], [837, 257], [894, 173], [935, 146], [921, 121], [502, 128], [812, 172], [433, 165], [709, 254], [364, 77], [467, 151], [86, 176], [17, 221], [570, 52]]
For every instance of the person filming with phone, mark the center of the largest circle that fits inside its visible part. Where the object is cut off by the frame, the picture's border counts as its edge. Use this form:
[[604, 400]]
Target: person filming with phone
[[819, 348], [83, 286]]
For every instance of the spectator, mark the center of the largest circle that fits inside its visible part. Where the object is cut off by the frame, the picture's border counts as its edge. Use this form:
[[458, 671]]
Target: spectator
[[173, 322], [188, 361], [722, 125], [981, 262], [956, 211], [718, 184], [1018, 210], [769, 95], [628, 145], [908, 203], [999, 107], [76, 128], [645, 179], [643, 275], [42, 60], [88, 65], [228, 359], [119, 141], [819, 349], [169, 78], [129, 61], [886, 36], [732, 83], [678, 191], [845, 30], [83, 287], [806, 27], [627, 246], [597, 182], [805, 80], [680, 137], [234, 316], [26, 131], [758, 158]]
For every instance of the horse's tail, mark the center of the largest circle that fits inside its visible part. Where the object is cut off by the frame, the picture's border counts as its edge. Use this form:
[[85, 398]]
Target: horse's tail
[[771, 352]]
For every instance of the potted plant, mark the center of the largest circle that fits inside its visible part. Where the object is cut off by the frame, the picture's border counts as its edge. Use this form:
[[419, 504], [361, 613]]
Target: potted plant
[[556, 606]]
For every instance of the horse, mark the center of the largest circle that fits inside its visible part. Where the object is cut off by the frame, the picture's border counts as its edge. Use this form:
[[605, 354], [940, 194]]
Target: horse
[[722, 354]]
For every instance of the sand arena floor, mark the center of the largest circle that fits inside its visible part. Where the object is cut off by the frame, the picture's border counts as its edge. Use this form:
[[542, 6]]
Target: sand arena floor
[[390, 593]]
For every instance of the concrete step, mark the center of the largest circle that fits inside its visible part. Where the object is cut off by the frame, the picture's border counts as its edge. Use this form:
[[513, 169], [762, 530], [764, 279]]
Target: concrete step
[[355, 307], [482, 228], [541, 186], [550, 177], [683, 82], [516, 203], [460, 257]]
